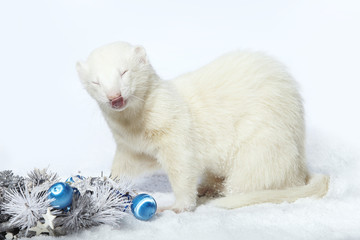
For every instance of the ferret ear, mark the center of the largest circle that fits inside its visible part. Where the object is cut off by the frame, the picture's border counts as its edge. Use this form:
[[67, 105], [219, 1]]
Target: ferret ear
[[82, 69], [140, 54]]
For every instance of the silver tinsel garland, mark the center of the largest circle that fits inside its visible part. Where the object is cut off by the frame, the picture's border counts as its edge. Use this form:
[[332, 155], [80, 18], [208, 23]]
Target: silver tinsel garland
[[25, 208], [7, 181]]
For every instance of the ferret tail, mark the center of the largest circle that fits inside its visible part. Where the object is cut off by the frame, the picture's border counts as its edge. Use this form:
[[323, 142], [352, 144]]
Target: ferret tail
[[317, 187]]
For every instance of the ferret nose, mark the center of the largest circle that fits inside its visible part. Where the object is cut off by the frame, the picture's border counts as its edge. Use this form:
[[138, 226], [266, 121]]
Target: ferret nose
[[114, 96]]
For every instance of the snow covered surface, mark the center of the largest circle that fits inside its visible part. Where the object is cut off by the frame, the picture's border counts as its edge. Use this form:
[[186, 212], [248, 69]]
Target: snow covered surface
[[336, 216]]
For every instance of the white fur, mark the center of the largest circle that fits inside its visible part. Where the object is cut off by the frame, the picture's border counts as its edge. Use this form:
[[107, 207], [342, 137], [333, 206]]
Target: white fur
[[237, 124]]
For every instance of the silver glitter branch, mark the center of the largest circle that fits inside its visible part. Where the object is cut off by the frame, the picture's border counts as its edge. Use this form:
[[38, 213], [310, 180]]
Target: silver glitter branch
[[41, 177], [103, 204], [109, 206], [25, 207]]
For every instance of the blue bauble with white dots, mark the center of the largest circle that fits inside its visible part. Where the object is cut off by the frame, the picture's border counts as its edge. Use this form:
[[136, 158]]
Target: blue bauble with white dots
[[62, 193], [143, 207]]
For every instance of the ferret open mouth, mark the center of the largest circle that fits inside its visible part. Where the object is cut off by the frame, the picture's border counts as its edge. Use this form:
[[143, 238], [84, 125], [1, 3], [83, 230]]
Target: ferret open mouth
[[118, 102]]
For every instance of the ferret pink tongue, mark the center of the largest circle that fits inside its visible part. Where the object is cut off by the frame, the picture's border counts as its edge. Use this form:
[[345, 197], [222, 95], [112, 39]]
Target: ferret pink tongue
[[118, 102]]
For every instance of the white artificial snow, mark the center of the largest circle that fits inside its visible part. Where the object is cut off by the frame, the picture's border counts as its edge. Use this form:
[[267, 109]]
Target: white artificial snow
[[336, 216]]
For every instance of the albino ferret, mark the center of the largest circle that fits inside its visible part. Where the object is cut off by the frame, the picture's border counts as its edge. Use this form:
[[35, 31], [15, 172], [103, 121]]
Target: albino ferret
[[237, 124]]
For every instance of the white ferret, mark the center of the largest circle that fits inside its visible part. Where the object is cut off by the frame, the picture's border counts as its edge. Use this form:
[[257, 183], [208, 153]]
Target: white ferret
[[236, 124]]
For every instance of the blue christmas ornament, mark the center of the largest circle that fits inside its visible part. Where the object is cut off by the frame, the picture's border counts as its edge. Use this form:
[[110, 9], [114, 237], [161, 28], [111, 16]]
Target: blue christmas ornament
[[143, 207], [74, 179], [62, 193]]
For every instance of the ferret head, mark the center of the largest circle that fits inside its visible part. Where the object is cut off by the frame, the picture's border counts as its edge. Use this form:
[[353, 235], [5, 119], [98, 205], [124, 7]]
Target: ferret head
[[116, 75]]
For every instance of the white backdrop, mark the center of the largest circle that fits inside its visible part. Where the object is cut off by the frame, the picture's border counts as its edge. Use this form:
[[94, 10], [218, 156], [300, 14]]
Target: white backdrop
[[47, 119]]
